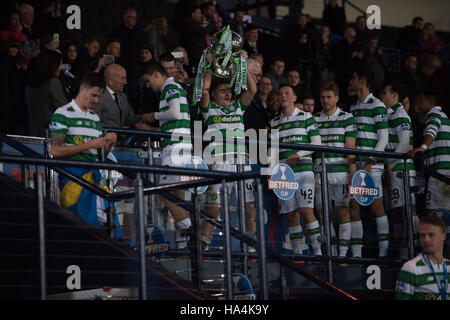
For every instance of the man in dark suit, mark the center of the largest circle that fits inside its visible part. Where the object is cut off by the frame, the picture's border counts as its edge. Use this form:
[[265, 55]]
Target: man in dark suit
[[251, 40], [257, 115], [113, 107], [131, 40], [193, 34]]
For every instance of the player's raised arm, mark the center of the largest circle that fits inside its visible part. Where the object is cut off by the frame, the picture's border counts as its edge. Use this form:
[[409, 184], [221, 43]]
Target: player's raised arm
[[248, 95], [207, 79]]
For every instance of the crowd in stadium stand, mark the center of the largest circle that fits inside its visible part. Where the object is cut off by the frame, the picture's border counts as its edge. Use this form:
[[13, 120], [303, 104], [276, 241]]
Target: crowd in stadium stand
[[42, 70], [33, 79]]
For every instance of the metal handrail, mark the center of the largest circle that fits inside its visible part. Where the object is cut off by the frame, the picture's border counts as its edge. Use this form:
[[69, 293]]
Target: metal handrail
[[298, 146], [212, 178]]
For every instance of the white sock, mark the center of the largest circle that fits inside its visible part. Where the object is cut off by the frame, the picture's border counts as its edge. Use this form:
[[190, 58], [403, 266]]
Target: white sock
[[356, 238], [314, 233], [297, 239], [345, 232], [383, 234], [183, 224]]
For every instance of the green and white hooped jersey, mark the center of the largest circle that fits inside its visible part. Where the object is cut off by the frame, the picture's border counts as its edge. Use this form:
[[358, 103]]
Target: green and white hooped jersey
[[399, 120], [370, 115], [78, 127], [295, 129], [229, 123], [333, 131], [182, 125], [416, 280], [438, 154]]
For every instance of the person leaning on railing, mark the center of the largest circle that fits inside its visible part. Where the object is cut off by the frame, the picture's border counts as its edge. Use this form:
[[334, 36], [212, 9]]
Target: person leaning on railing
[[76, 134]]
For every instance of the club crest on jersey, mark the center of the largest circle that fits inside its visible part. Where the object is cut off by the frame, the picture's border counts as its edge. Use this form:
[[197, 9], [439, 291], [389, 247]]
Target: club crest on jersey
[[171, 92], [283, 182], [405, 126], [363, 188], [54, 126]]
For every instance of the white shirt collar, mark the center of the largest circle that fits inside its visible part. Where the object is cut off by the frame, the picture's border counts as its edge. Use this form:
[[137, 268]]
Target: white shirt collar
[[370, 96], [76, 106], [333, 115], [296, 112], [111, 92]]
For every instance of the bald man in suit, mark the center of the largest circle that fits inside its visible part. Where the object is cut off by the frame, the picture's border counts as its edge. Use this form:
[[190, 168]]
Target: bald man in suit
[[113, 107]]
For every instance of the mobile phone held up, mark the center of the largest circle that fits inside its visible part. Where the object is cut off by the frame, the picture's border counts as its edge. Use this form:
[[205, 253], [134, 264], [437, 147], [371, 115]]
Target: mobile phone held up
[[178, 58], [56, 37], [108, 59]]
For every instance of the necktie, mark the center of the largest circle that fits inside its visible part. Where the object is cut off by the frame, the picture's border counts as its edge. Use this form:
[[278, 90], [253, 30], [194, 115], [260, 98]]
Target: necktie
[[116, 99]]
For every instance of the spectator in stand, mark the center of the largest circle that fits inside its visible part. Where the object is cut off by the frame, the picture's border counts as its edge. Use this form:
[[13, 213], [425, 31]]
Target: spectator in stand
[[293, 79], [113, 107], [409, 76], [349, 98], [323, 49], [375, 60], [46, 92], [132, 38], [72, 60], [273, 104], [300, 41], [257, 115], [148, 100], [210, 16], [50, 19], [334, 16], [251, 43], [145, 59], [237, 24], [192, 34], [158, 36], [346, 55], [12, 86], [114, 48], [258, 57], [429, 43], [167, 60], [27, 18], [434, 79], [276, 73], [188, 68], [362, 33], [71, 71], [409, 35], [308, 102], [406, 103], [89, 55], [14, 30]]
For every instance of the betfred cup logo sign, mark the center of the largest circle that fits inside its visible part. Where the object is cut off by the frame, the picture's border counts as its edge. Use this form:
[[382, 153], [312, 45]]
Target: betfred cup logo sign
[[283, 182], [242, 288], [195, 163], [155, 245], [363, 188]]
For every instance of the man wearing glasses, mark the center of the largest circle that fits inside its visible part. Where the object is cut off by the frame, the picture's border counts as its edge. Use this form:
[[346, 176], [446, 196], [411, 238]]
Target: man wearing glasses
[[257, 115]]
